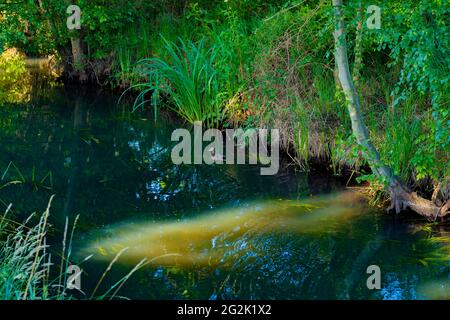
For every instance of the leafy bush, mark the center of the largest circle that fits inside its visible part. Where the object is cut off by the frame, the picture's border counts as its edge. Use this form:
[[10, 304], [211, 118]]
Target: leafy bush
[[13, 77]]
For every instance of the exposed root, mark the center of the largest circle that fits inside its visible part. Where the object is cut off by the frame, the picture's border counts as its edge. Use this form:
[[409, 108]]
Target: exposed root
[[402, 198]]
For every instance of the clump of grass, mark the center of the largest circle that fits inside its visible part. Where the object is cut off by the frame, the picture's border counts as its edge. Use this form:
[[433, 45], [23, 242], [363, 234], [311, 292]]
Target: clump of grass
[[133, 46], [26, 268], [301, 136], [24, 260], [188, 78], [13, 175], [402, 130]]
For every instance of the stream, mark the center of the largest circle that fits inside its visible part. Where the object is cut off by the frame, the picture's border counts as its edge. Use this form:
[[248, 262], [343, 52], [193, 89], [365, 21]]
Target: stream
[[206, 231]]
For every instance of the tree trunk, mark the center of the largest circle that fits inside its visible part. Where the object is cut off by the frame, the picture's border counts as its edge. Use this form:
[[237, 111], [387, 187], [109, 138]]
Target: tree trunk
[[78, 62], [358, 46], [401, 196], [78, 59]]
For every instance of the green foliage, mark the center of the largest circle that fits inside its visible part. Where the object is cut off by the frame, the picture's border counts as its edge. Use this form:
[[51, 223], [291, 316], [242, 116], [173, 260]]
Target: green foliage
[[104, 23], [13, 77], [22, 25], [402, 130], [189, 79], [301, 133], [269, 63], [417, 35]]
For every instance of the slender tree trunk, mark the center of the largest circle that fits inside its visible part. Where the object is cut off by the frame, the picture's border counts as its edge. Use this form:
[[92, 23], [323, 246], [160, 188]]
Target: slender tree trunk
[[358, 46], [401, 196], [77, 53]]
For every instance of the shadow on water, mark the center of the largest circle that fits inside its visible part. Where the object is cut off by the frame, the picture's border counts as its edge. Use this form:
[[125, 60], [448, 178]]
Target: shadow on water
[[228, 232]]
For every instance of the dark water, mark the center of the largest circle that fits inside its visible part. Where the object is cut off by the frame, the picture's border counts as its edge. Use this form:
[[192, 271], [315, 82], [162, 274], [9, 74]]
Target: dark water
[[113, 169]]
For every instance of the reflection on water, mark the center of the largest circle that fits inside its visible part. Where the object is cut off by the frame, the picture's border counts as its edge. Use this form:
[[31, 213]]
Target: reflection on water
[[436, 290], [15, 81], [22, 80], [227, 235], [209, 239]]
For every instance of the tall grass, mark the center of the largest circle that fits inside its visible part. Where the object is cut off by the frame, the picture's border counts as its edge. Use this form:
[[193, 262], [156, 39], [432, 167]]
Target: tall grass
[[136, 44], [26, 268], [301, 137], [188, 78], [24, 260], [402, 130]]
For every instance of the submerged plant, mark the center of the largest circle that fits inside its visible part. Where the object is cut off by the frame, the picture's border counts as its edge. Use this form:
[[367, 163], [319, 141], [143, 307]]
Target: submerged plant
[[188, 78], [46, 182]]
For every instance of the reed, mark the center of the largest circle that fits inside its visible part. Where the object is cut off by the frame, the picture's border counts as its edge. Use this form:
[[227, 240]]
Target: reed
[[26, 268], [403, 129], [24, 259], [188, 78]]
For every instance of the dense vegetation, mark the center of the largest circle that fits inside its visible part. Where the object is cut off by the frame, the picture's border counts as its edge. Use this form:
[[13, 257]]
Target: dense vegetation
[[258, 63], [266, 63]]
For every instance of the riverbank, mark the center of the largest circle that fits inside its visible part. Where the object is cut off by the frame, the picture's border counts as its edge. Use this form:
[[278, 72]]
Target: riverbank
[[90, 100], [112, 173], [318, 146], [270, 65]]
